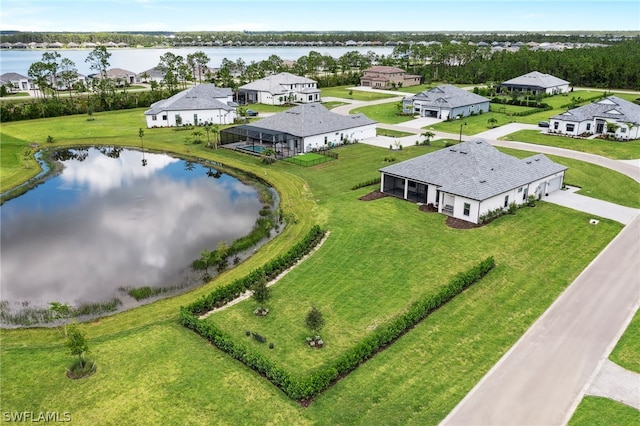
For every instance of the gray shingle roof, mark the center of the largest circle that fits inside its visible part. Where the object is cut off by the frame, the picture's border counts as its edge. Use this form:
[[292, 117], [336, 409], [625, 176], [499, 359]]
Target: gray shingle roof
[[311, 119], [200, 97], [11, 76], [274, 83], [474, 169], [611, 107], [447, 96], [536, 79]]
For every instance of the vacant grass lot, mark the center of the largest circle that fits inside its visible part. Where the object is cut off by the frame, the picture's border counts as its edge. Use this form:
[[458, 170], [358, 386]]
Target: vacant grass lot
[[616, 150], [358, 95], [384, 113], [380, 255]]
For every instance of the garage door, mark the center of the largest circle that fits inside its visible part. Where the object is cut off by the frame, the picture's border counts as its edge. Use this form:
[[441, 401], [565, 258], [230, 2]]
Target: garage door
[[554, 184]]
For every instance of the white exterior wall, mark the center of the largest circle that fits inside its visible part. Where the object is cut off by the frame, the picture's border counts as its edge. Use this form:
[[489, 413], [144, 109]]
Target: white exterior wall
[[458, 209], [558, 89], [215, 116], [578, 127], [359, 133]]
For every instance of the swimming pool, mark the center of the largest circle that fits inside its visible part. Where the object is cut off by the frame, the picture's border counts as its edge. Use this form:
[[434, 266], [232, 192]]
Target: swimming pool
[[253, 148]]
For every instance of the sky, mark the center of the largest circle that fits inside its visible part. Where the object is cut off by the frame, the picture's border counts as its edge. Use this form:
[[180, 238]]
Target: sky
[[319, 15]]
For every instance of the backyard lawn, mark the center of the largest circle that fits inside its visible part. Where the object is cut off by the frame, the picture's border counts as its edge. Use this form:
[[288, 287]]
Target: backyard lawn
[[383, 113], [380, 256]]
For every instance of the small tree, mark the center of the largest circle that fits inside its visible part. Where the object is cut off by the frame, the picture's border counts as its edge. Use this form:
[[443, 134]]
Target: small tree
[[261, 293], [77, 344], [60, 311], [315, 320], [427, 137], [492, 122]]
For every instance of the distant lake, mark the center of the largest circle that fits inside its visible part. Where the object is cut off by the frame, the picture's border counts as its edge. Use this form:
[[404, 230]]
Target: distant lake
[[142, 59], [107, 222]]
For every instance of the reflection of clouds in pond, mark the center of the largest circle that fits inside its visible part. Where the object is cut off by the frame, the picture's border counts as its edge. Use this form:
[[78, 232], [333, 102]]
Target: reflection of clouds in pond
[[101, 173], [117, 238]]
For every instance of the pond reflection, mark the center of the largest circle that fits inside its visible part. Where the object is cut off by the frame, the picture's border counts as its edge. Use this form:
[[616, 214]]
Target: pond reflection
[[108, 222]]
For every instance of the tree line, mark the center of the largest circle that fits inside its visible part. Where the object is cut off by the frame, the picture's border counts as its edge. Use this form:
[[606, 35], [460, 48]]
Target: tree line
[[610, 67]]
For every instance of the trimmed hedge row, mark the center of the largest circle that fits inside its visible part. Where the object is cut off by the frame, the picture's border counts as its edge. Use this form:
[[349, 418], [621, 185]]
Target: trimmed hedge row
[[272, 269], [304, 389], [370, 182]]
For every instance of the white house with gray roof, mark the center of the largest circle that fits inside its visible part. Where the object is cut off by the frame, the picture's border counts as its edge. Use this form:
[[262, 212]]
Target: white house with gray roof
[[444, 102], [204, 103], [612, 115], [469, 179], [303, 128], [280, 89], [537, 82]]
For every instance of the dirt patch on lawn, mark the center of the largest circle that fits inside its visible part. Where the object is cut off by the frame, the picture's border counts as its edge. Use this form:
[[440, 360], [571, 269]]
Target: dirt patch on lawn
[[375, 195], [452, 222]]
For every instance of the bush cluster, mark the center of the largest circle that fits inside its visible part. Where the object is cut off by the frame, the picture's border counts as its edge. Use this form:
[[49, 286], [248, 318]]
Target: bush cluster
[[270, 270], [374, 181], [305, 388]]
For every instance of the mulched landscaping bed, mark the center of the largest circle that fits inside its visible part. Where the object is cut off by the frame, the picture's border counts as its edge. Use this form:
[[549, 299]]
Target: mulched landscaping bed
[[375, 195], [452, 222]]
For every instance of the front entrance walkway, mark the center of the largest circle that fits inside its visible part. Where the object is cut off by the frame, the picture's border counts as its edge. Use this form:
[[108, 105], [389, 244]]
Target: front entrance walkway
[[568, 198], [617, 383]]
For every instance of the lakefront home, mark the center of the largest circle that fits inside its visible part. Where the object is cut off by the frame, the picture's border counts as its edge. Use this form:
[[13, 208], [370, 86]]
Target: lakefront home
[[612, 116], [470, 179], [445, 102], [536, 82], [304, 128], [204, 103], [280, 89]]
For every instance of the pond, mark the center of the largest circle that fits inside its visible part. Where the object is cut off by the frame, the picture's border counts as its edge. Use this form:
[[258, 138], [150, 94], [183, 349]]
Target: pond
[[108, 223]]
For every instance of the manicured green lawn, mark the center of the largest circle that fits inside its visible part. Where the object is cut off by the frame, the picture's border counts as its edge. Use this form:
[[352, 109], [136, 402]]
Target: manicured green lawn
[[392, 133], [627, 351], [384, 113], [333, 104], [616, 150], [358, 95], [380, 255], [596, 411], [267, 108]]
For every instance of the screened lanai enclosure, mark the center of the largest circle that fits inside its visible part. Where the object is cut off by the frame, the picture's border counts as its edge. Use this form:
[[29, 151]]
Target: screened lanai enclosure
[[256, 139], [396, 186]]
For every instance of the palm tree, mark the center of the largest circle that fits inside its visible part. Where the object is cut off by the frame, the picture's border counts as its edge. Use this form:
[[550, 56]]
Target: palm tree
[[427, 137], [492, 122], [197, 134], [215, 129]]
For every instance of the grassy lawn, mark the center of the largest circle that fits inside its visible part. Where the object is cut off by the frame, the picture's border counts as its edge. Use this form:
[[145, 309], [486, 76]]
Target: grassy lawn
[[627, 351], [596, 411], [267, 108], [616, 150], [380, 256], [309, 159], [358, 95], [384, 113], [392, 133], [333, 104]]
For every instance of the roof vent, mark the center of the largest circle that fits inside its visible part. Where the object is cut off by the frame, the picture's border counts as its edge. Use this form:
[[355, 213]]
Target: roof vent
[[453, 150], [484, 181], [537, 159], [528, 162], [478, 142]]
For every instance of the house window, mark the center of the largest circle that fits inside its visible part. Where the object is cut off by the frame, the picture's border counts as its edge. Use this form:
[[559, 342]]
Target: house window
[[519, 189], [325, 140], [506, 200], [555, 125], [195, 119], [310, 97], [570, 127], [524, 195], [467, 209], [154, 117], [588, 127], [164, 117], [623, 130]]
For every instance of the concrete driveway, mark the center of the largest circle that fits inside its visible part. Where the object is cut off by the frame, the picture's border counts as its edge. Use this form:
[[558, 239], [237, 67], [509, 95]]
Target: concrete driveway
[[569, 198]]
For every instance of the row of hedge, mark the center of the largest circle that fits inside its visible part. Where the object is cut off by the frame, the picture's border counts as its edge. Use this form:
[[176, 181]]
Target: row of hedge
[[306, 388], [270, 270], [370, 182]]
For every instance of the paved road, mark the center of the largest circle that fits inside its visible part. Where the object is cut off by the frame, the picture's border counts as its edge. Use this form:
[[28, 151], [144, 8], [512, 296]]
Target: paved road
[[543, 377]]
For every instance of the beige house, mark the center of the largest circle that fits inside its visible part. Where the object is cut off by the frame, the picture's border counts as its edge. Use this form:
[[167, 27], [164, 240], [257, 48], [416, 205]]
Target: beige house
[[384, 77]]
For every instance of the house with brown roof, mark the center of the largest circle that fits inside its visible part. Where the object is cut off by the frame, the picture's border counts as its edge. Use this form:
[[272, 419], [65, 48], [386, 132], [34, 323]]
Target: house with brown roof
[[385, 77]]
